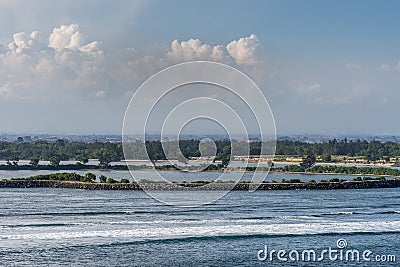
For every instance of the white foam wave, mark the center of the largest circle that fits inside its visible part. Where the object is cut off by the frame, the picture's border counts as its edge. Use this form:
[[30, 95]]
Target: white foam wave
[[216, 221], [214, 230]]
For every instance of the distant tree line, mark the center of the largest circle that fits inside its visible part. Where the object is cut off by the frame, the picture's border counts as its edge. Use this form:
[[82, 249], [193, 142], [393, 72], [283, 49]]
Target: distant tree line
[[373, 150], [62, 150], [341, 169]]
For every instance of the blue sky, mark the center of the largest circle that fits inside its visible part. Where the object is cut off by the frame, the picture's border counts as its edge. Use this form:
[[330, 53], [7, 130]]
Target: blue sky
[[328, 67]]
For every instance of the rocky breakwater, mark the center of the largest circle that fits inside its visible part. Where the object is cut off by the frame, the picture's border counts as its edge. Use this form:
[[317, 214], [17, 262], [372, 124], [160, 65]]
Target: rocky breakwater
[[198, 186], [66, 184]]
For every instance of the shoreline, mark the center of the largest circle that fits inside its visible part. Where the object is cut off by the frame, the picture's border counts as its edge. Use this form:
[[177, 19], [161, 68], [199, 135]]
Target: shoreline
[[126, 162], [272, 170], [344, 164], [394, 183]]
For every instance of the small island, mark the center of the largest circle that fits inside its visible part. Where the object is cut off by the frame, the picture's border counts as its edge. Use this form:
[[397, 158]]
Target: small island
[[87, 182]]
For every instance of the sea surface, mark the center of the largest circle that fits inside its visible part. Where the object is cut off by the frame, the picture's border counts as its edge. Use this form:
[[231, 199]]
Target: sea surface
[[67, 227]]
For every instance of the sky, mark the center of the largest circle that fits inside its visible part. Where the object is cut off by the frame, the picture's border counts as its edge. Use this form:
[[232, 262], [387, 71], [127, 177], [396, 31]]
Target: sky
[[325, 67]]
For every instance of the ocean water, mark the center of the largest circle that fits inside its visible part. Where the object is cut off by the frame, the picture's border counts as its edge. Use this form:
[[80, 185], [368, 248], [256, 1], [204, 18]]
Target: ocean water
[[64, 227]]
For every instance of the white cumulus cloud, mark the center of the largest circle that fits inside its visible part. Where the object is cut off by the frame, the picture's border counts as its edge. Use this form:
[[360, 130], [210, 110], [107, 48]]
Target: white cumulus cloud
[[92, 48], [63, 62], [194, 49], [23, 41], [32, 67], [66, 36], [245, 50]]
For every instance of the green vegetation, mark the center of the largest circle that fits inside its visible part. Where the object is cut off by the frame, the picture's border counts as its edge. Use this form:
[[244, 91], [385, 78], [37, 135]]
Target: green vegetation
[[356, 170], [102, 179], [342, 170], [308, 162], [360, 179], [371, 151], [292, 181], [54, 161], [111, 181], [12, 160], [62, 150], [290, 168], [55, 177], [72, 177], [91, 178], [34, 161]]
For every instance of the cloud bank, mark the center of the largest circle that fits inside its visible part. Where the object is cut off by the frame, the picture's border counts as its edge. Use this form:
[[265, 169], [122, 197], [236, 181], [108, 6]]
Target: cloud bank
[[64, 62], [245, 51]]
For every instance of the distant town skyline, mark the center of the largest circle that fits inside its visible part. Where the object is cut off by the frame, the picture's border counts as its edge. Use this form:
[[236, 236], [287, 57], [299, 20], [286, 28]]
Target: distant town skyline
[[327, 68], [309, 138]]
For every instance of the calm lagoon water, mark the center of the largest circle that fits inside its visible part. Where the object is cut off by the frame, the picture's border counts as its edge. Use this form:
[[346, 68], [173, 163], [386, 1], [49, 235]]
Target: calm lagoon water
[[180, 176]]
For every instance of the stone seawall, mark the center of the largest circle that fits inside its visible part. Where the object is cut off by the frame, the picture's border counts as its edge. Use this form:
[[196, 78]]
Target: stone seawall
[[194, 187]]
